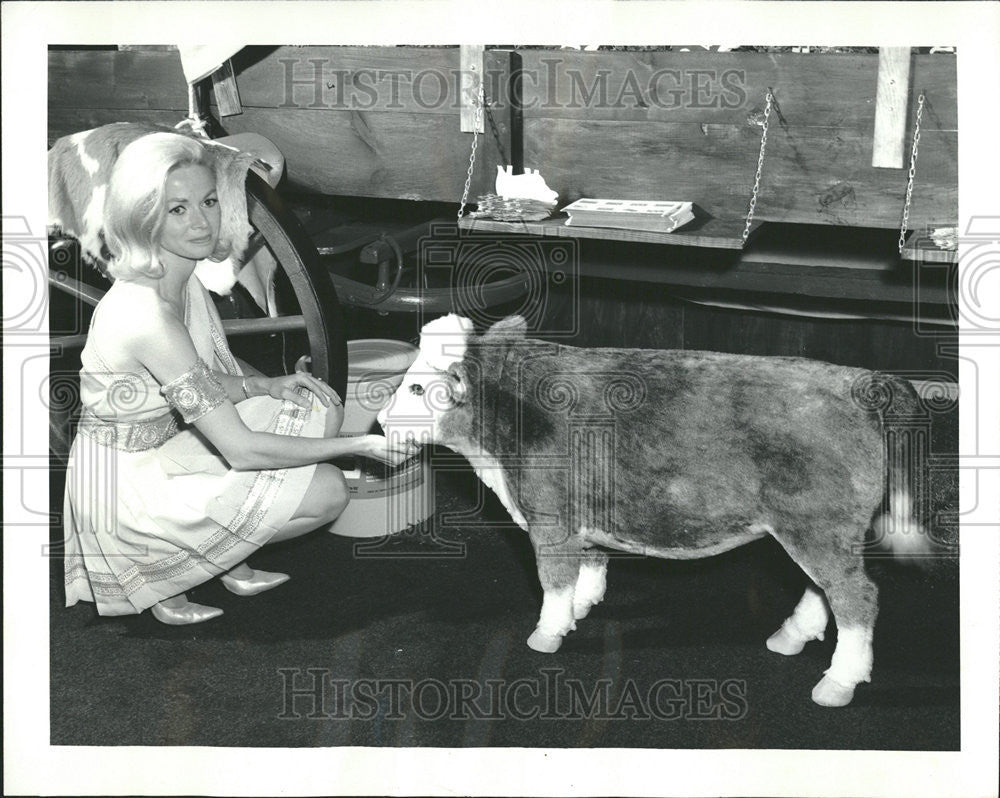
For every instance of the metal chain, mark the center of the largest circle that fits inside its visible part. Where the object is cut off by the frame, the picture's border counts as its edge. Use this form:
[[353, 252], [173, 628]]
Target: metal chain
[[913, 172], [480, 101], [760, 166]]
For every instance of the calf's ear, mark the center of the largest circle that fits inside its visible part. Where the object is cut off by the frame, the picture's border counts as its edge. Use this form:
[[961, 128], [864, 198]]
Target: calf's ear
[[458, 384], [515, 326]]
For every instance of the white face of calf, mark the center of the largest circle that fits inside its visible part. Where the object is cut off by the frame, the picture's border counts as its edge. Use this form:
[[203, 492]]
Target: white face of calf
[[432, 387]]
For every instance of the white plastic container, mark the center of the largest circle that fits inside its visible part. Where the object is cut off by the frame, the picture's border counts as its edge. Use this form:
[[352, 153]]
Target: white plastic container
[[375, 368], [382, 502]]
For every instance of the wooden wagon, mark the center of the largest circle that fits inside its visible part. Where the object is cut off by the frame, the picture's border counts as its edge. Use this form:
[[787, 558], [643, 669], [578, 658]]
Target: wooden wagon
[[389, 129]]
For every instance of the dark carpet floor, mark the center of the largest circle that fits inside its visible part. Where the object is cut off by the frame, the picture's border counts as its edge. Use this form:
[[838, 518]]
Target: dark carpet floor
[[408, 647]]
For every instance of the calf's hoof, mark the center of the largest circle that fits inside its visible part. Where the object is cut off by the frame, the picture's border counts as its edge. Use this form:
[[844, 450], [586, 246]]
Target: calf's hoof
[[784, 642], [829, 693], [546, 644]]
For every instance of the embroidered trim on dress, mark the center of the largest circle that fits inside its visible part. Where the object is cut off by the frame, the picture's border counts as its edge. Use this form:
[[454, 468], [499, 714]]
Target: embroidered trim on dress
[[263, 493], [129, 436], [222, 350], [194, 393]]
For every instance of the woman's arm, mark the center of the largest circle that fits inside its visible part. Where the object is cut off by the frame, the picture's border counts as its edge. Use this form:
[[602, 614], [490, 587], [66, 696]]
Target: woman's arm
[[161, 343], [234, 386], [256, 384]]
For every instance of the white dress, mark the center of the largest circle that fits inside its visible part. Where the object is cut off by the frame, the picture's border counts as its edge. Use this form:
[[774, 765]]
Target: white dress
[[151, 509]]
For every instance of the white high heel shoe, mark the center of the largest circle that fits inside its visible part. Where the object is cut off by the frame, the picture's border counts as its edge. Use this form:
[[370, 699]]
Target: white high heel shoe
[[182, 616], [258, 582]]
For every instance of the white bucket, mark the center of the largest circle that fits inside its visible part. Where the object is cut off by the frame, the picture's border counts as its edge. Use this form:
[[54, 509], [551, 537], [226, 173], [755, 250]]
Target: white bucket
[[383, 501], [375, 368]]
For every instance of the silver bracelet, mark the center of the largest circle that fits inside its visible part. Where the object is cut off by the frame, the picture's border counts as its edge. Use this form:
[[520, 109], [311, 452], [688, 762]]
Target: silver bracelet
[[246, 392]]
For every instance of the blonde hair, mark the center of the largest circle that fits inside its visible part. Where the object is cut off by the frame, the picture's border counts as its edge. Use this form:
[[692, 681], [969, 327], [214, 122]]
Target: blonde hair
[[136, 200]]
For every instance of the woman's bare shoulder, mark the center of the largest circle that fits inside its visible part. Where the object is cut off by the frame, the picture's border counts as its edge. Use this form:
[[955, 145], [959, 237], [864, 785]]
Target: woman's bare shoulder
[[129, 300], [136, 312]]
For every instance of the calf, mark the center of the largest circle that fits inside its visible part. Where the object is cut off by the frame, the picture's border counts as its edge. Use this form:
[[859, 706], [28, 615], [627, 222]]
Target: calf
[[80, 167], [671, 454]]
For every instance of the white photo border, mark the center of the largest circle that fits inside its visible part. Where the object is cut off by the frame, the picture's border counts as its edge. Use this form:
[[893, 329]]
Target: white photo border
[[33, 766]]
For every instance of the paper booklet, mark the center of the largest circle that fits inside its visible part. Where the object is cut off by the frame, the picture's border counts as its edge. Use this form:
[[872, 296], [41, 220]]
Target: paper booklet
[[651, 215]]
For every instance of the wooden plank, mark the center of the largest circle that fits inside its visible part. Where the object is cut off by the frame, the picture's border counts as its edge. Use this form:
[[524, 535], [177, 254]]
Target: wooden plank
[[886, 285], [836, 90], [413, 80], [653, 317], [225, 91], [471, 70], [809, 175], [107, 79], [865, 343], [371, 154], [727, 330], [929, 254], [619, 314], [891, 104], [405, 79], [813, 90], [770, 266], [813, 172], [713, 233], [921, 248]]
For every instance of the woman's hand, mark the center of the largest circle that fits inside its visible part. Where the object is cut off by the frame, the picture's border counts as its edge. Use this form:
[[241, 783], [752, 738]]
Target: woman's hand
[[377, 447], [286, 388]]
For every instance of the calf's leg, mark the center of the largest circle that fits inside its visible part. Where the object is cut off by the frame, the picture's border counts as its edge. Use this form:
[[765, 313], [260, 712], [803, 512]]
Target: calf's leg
[[838, 570], [854, 603], [591, 582], [807, 622], [558, 571]]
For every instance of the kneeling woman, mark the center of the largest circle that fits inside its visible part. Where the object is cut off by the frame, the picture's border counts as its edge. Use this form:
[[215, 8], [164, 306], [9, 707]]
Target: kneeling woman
[[182, 466]]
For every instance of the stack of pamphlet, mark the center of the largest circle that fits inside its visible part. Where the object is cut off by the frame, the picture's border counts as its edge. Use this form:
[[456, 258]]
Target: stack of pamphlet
[[650, 215], [512, 209]]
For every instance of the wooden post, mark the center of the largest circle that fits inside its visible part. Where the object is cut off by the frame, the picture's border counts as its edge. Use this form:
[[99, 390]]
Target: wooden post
[[471, 67], [502, 140], [891, 103], [227, 95]]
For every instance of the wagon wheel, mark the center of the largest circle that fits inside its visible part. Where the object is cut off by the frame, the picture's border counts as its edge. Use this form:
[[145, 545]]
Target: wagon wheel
[[319, 308], [278, 229]]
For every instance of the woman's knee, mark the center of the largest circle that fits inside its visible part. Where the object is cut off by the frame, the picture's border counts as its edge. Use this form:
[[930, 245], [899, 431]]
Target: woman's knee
[[335, 491]]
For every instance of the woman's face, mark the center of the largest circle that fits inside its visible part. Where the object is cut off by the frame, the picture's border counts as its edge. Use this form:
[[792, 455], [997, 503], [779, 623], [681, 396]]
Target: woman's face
[[191, 215]]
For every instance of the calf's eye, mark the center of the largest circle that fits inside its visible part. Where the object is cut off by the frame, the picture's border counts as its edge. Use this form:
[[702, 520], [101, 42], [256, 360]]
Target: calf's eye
[[417, 390]]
